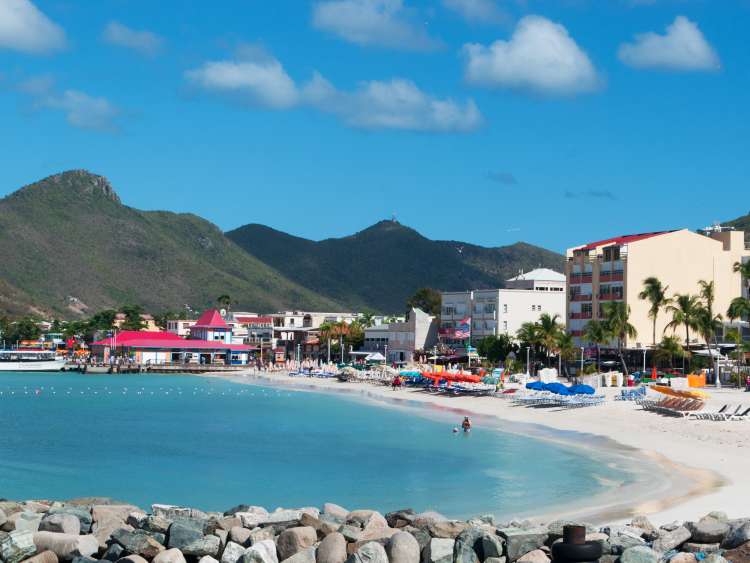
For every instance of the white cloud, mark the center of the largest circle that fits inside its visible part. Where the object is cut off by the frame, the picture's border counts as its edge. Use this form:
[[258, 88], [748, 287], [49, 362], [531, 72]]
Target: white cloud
[[384, 23], [24, 28], [477, 11], [540, 56], [394, 104], [144, 42], [255, 78], [682, 47], [83, 111]]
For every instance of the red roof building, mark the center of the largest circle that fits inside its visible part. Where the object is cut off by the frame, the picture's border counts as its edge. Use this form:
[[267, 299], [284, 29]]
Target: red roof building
[[211, 319], [211, 326]]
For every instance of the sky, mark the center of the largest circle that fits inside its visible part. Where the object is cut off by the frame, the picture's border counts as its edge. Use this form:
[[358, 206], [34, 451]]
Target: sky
[[486, 121]]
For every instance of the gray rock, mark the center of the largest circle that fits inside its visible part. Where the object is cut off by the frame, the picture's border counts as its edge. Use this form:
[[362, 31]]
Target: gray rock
[[639, 554], [738, 534], [400, 518], [232, 552], [108, 518], [240, 535], [371, 552], [253, 516], [718, 515], [422, 537], [334, 510], [306, 555], [223, 536], [422, 519], [172, 512], [260, 534], [402, 548], [156, 524], [132, 558], [137, 519], [206, 545], [714, 558], [671, 540], [671, 526], [43, 557], [169, 556], [292, 540], [207, 559], [332, 549], [446, 528], [26, 521], [81, 559], [16, 546], [439, 550], [708, 530], [262, 552], [492, 546], [622, 539], [495, 560], [181, 534], [81, 512], [63, 523], [535, 556], [286, 517], [351, 533], [468, 546], [113, 552], [692, 547], [642, 522], [519, 541], [66, 546], [3, 517], [138, 542]]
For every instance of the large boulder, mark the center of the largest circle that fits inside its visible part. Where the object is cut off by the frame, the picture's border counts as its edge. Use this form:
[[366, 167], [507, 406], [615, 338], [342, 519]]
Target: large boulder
[[3, 517], [684, 558], [83, 514], [445, 528], [132, 558], [622, 538], [306, 555], [139, 542], [66, 546], [639, 554], [109, 517], [232, 553], [468, 546], [519, 541], [335, 511], [670, 540], [260, 534], [402, 548], [262, 552], [400, 518], [240, 535], [535, 556], [169, 556], [439, 550], [738, 535], [26, 521], [371, 552], [62, 523], [205, 545], [173, 512], [155, 524], [181, 534], [292, 540], [16, 546], [642, 522], [332, 549], [113, 552], [708, 530], [43, 557], [252, 516]]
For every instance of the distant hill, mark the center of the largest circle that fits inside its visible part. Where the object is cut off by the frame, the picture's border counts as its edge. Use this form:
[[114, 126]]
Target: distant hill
[[380, 267], [68, 246], [741, 224]]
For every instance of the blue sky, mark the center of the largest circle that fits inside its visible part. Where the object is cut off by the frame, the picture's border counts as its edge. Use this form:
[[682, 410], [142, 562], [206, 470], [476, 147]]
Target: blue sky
[[488, 121]]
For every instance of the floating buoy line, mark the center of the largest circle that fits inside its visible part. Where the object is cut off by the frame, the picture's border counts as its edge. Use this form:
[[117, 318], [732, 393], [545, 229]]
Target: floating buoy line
[[64, 391]]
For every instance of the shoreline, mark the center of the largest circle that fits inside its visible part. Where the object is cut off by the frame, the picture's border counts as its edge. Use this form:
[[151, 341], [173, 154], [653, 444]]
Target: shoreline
[[671, 479]]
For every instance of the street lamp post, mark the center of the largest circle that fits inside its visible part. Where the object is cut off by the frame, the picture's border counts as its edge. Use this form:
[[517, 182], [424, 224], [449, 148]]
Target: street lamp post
[[528, 360], [582, 351], [644, 361], [385, 350]]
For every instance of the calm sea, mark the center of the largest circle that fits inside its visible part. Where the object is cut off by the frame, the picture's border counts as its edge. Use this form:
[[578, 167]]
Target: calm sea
[[213, 444]]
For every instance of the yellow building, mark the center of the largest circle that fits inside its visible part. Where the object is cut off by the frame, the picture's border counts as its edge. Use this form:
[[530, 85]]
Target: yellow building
[[614, 270]]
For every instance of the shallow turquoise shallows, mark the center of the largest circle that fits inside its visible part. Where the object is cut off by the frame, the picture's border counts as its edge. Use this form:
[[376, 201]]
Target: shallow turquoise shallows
[[213, 444]]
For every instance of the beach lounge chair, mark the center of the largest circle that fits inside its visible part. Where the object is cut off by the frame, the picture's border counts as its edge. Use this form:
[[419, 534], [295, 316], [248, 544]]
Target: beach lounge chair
[[724, 413], [741, 416]]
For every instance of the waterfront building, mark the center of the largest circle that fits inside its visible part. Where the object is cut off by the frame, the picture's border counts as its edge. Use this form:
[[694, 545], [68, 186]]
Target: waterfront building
[[469, 316], [160, 347], [614, 269], [399, 341], [181, 327], [211, 326], [294, 331]]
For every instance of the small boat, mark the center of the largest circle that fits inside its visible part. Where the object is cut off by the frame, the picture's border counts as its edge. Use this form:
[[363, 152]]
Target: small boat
[[30, 360]]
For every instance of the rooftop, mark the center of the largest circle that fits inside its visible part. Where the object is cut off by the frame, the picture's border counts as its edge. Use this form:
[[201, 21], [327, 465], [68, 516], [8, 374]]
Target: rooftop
[[211, 319], [540, 274], [622, 239], [161, 339]]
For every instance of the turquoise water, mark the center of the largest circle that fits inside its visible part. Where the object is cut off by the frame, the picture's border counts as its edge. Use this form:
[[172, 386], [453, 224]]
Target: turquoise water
[[214, 444]]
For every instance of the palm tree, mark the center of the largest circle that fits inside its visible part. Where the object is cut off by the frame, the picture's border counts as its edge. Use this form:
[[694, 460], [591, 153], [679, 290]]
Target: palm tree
[[684, 310], [596, 334], [707, 325], [367, 319], [548, 331], [669, 348], [619, 326], [656, 294], [739, 309], [735, 335], [743, 268], [528, 334], [566, 349], [224, 301]]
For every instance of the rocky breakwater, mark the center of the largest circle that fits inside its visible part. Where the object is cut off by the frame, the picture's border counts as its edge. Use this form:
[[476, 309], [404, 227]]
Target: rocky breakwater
[[90, 530]]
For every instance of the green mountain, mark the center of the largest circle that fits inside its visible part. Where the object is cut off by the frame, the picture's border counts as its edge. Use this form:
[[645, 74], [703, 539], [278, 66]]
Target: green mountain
[[741, 224], [382, 266], [68, 246]]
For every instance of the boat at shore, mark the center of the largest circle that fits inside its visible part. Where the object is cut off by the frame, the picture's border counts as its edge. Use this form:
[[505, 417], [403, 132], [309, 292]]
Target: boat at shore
[[30, 360]]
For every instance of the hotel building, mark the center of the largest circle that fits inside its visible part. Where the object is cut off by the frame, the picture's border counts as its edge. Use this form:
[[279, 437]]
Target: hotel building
[[614, 270]]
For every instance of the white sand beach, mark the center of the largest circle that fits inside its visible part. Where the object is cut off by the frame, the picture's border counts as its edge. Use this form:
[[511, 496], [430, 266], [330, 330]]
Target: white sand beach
[[706, 462]]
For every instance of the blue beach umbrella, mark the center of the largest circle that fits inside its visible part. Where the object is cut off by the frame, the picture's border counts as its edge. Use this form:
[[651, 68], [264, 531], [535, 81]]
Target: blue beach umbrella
[[582, 390], [557, 388], [535, 386]]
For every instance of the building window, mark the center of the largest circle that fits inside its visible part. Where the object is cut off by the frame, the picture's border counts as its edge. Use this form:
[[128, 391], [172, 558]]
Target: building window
[[505, 308], [505, 326]]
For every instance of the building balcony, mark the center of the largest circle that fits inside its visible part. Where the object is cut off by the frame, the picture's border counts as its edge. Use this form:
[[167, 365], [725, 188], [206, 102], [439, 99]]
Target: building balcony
[[581, 315], [610, 297], [580, 297], [611, 276], [580, 278]]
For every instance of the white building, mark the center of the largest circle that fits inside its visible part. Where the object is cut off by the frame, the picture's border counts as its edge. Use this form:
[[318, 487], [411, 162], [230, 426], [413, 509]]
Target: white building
[[493, 312], [399, 341], [180, 327]]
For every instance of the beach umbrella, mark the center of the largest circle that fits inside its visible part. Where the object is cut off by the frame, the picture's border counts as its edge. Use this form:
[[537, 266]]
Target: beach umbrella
[[535, 386], [557, 388], [681, 393], [582, 390]]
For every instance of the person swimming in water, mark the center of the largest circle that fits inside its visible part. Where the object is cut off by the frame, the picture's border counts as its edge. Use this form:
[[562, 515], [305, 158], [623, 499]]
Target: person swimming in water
[[466, 424]]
